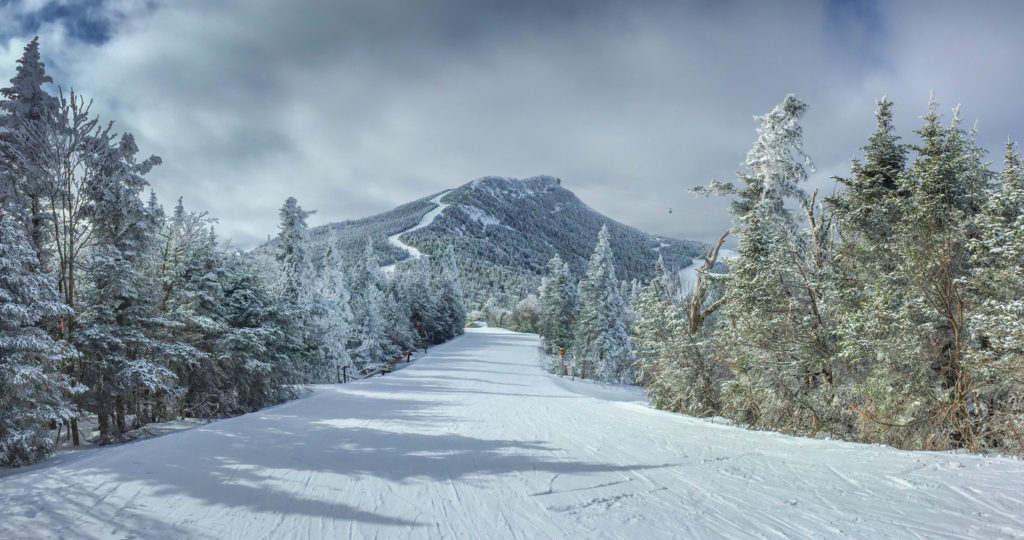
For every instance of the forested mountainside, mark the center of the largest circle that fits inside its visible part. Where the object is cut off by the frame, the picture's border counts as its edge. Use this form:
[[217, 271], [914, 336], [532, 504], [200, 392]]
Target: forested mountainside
[[350, 236], [503, 232]]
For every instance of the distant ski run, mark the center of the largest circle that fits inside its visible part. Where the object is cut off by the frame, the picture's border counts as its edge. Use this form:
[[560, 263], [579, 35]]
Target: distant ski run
[[428, 218]]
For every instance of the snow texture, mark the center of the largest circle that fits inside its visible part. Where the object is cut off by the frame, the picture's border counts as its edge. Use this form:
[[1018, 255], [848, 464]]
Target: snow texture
[[688, 275], [480, 216], [428, 218], [474, 440]]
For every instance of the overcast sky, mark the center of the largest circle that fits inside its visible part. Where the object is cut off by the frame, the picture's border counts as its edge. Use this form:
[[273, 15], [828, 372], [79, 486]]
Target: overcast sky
[[354, 107]]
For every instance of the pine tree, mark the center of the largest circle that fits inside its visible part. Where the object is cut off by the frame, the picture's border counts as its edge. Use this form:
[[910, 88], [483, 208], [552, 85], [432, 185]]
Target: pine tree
[[448, 291], [413, 281], [187, 267], [255, 352], [997, 359], [121, 356], [26, 108], [558, 303], [600, 337], [674, 365], [868, 213], [369, 346], [291, 250], [774, 331], [333, 315], [32, 391]]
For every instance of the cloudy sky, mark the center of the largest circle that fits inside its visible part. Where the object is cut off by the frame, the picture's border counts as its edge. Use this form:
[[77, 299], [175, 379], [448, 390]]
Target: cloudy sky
[[355, 107]]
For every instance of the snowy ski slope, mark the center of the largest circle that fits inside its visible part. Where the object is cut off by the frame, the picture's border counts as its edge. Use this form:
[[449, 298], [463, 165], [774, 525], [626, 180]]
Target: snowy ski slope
[[475, 441], [427, 219]]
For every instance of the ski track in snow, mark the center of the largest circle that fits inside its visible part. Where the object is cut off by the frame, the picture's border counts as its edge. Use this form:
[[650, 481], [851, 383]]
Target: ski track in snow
[[427, 219], [474, 440], [688, 275]]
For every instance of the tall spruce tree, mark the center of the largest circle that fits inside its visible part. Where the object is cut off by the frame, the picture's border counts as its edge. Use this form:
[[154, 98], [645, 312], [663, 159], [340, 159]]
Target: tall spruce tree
[[448, 291], [33, 393], [369, 347], [924, 387], [558, 303], [774, 332], [26, 108], [997, 358], [332, 313], [600, 337], [297, 294], [116, 336]]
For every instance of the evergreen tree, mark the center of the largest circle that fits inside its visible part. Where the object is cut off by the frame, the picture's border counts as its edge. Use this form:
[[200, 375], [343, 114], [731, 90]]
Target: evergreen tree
[[774, 331], [255, 352], [298, 295], [997, 359], [558, 304], [291, 250], [369, 346], [121, 356], [600, 334], [923, 384], [332, 315], [26, 108], [674, 365], [187, 267], [32, 391], [448, 291]]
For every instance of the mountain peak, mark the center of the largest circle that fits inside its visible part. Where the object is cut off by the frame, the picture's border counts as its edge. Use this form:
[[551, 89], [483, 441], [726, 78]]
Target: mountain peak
[[515, 186], [504, 231]]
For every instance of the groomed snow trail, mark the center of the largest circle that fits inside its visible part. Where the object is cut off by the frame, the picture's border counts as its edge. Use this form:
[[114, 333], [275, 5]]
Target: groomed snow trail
[[475, 441], [427, 219]]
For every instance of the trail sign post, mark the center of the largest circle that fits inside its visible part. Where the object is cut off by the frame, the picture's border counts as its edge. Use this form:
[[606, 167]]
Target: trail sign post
[[561, 359]]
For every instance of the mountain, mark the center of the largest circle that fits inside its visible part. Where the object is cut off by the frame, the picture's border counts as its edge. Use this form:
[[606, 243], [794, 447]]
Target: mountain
[[504, 231]]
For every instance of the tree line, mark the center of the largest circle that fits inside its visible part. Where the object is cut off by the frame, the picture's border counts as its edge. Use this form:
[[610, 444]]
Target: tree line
[[887, 312], [112, 308]]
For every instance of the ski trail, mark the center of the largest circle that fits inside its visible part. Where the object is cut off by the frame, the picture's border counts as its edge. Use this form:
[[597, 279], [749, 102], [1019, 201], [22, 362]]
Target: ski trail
[[474, 440], [688, 275], [428, 218]]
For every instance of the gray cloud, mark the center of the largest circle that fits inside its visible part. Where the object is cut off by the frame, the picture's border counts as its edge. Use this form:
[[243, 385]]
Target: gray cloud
[[356, 107]]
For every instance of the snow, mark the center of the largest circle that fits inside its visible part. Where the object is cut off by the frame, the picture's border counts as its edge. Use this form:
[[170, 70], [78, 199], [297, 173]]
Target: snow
[[427, 219], [688, 275], [480, 216], [475, 441]]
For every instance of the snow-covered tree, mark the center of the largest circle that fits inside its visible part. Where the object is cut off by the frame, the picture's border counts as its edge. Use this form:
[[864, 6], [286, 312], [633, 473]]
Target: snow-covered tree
[[525, 316], [291, 250], [121, 357], [447, 287], [674, 365], [25, 107], [255, 352], [33, 392], [774, 331], [412, 283], [558, 303], [67, 153], [332, 315], [600, 337], [919, 391], [369, 345], [298, 294], [997, 359]]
